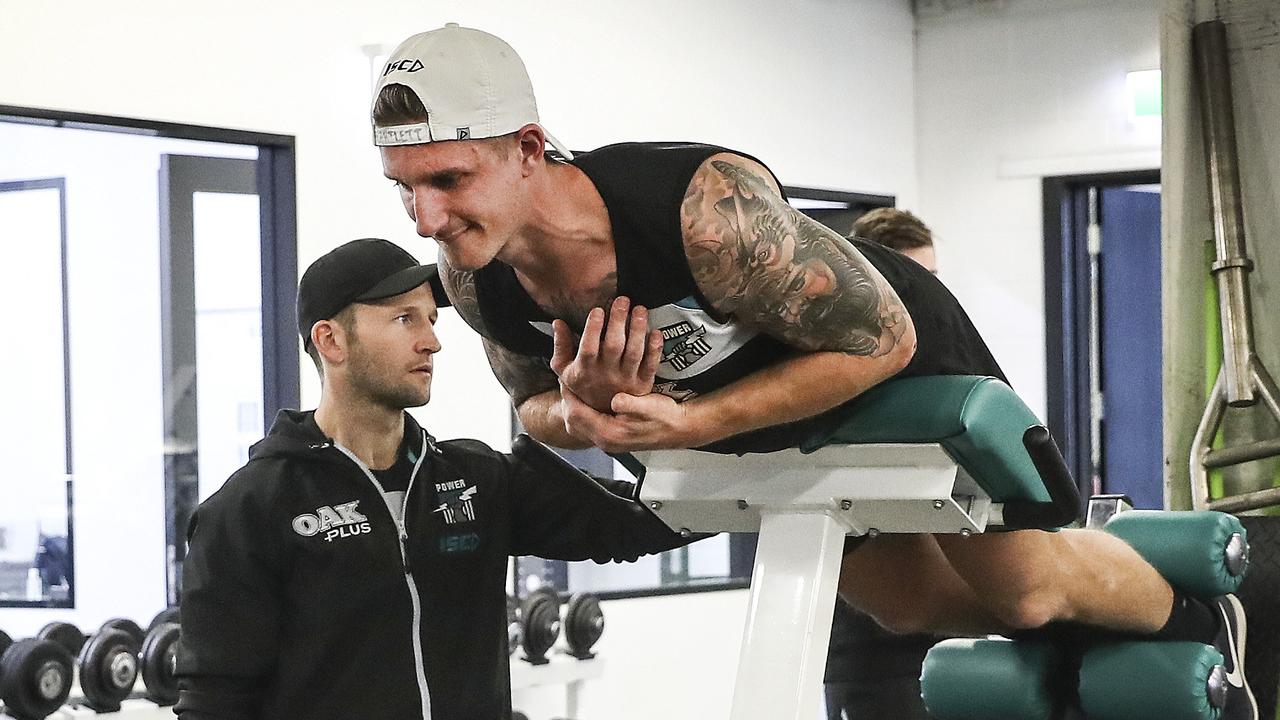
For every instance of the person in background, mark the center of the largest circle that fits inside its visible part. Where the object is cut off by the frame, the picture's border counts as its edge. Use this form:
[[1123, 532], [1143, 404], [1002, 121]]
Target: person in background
[[874, 674], [900, 230]]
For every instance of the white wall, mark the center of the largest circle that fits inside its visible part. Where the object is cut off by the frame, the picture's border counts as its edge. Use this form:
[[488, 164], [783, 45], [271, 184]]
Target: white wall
[[784, 81], [822, 90], [670, 657], [1007, 93]]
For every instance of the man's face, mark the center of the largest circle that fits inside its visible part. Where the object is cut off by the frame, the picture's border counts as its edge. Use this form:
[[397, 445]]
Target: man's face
[[462, 193], [389, 352]]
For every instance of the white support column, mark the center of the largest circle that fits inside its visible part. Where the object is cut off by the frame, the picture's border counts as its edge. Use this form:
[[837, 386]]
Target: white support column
[[793, 591]]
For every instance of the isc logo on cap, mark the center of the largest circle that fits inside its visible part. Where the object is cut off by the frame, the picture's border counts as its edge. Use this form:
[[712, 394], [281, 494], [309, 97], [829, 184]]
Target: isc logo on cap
[[406, 65]]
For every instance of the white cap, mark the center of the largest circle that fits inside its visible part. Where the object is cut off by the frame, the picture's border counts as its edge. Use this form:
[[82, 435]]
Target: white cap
[[472, 84]]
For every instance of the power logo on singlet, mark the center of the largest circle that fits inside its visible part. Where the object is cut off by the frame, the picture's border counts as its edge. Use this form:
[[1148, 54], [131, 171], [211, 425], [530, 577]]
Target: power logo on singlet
[[338, 521], [455, 501], [683, 345]]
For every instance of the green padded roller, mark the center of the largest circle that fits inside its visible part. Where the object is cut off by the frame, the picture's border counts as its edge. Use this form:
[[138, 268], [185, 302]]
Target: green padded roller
[[964, 679], [1194, 551], [1149, 681]]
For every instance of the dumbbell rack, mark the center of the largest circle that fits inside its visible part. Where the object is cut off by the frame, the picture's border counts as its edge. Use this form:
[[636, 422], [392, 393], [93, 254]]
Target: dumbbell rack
[[561, 670], [102, 654], [130, 709]]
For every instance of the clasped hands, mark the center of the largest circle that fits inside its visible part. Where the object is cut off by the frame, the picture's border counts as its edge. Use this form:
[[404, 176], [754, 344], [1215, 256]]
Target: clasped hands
[[606, 383]]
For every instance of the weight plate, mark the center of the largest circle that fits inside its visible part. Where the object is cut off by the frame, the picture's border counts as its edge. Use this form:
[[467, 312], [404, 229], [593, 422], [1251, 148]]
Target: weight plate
[[549, 590], [65, 634], [158, 661], [539, 625], [583, 624], [108, 669], [35, 678], [168, 615], [133, 629]]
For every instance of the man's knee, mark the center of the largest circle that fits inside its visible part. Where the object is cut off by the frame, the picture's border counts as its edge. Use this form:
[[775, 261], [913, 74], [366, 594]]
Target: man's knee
[[1016, 576], [1028, 609]]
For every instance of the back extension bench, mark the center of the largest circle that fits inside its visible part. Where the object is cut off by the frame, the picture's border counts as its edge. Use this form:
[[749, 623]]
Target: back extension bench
[[953, 454]]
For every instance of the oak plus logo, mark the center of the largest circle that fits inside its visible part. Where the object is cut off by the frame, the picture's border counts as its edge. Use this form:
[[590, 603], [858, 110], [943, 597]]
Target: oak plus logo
[[338, 521]]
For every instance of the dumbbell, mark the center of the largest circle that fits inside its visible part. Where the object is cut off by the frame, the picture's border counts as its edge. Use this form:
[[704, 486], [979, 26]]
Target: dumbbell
[[65, 634], [107, 661], [35, 677], [539, 624], [109, 671], [110, 661], [168, 615], [108, 664], [159, 663], [583, 624]]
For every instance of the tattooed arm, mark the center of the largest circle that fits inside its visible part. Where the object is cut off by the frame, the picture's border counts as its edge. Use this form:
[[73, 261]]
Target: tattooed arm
[[533, 387], [764, 264], [758, 260]]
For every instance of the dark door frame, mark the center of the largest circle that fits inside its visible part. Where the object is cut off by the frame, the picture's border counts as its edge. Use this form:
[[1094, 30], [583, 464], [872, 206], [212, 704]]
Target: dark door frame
[[1066, 308]]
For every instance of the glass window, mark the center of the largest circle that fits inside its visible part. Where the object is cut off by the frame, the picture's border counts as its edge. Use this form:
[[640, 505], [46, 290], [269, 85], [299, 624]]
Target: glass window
[[154, 265], [35, 514]]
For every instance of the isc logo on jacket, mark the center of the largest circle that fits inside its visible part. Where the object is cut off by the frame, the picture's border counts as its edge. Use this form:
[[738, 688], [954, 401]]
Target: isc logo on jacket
[[335, 522]]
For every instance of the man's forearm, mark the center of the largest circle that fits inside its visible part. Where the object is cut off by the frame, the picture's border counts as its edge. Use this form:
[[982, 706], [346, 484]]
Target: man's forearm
[[542, 418], [792, 390]]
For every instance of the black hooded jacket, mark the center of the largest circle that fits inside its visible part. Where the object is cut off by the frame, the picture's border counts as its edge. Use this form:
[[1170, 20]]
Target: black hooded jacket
[[303, 599]]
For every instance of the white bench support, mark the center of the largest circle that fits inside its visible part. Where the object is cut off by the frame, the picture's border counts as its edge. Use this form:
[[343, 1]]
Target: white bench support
[[784, 648], [802, 506]]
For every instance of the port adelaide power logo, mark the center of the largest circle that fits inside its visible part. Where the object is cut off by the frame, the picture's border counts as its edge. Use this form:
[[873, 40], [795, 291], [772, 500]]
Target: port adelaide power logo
[[456, 501], [683, 344]]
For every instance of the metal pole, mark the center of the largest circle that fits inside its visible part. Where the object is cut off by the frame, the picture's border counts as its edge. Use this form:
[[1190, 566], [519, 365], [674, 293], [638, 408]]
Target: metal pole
[[1231, 271]]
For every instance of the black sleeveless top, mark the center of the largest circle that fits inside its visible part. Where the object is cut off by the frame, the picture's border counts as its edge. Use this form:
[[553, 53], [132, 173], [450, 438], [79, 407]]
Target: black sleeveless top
[[643, 185]]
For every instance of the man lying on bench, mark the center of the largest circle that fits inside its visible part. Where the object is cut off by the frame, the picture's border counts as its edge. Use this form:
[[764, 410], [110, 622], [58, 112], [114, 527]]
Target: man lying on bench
[[712, 315]]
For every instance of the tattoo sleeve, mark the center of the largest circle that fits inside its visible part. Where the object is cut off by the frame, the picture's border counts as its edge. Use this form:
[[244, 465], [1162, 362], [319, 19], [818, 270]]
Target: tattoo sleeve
[[461, 288], [521, 375], [758, 259]]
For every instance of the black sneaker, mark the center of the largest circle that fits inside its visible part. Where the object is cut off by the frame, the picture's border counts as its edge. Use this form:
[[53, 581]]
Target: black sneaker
[[1240, 703]]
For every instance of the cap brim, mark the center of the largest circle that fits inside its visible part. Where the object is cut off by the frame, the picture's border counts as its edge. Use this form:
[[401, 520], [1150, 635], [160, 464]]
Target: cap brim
[[406, 280]]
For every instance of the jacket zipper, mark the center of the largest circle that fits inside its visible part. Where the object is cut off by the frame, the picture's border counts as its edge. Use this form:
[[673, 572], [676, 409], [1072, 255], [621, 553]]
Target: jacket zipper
[[403, 537]]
